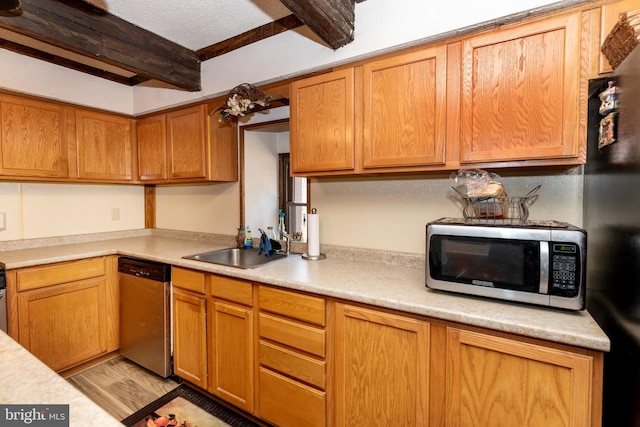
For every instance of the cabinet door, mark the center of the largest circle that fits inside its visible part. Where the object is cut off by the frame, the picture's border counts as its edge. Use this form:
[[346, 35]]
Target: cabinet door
[[231, 353], [33, 138], [223, 150], [322, 123], [66, 324], [382, 362], [493, 381], [151, 137], [520, 92], [104, 146], [405, 110], [190, 337], [186, 143]]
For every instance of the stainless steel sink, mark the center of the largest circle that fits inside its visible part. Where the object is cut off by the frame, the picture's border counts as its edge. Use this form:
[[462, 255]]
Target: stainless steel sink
[[235, 257]]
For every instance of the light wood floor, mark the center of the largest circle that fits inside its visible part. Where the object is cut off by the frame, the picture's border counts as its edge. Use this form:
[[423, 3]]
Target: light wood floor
[[120, 386]]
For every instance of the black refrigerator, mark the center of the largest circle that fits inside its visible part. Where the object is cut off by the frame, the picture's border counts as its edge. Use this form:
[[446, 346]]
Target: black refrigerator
[[612, 220]]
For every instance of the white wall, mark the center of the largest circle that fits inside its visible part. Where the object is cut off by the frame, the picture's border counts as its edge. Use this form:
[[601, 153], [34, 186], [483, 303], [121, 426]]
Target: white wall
[[27, 75], [261, 180], [392, 213], [51, 210], [207, 208]]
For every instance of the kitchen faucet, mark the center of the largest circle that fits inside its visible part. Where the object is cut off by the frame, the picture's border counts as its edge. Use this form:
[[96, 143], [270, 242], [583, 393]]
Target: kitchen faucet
[[287, 241]]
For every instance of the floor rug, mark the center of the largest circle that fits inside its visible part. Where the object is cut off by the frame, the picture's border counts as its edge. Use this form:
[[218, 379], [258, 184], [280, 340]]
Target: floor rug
[[185, 407]]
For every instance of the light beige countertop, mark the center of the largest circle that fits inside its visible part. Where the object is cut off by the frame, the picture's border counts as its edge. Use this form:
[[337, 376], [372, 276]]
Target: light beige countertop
[[395, 281], [27, 381]]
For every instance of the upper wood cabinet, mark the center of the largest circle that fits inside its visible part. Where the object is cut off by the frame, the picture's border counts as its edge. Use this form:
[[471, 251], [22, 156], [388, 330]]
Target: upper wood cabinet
[[513, 96], [186, 145], [322, 123], [172, 146], [33, 138], [151, 139], [103, 146], [405, 110], [223, 150], [386, 115], [521, 93]]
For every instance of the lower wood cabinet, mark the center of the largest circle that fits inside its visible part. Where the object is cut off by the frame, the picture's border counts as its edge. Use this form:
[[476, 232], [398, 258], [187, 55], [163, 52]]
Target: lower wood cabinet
[[285, 401], [213, 342], [66, 313], [292, 365], [294, 359], [494, 381], [190, 337], [392, 369], [382, 368], [231, 361]]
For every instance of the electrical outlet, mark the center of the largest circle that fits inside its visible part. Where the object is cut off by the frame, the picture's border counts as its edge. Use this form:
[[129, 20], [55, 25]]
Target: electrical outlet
[[115, 214], [3, 221]]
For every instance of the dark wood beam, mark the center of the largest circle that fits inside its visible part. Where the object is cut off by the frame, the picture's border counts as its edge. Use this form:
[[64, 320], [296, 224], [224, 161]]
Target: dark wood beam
[[255, 35], [87, 30], [332, 20]]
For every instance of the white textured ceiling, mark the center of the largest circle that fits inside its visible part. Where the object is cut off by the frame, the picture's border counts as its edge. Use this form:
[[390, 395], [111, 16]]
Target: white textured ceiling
[[195, 24]]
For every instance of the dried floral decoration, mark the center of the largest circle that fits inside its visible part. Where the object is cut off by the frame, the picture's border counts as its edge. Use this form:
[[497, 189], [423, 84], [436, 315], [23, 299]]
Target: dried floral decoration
[[241, 100]]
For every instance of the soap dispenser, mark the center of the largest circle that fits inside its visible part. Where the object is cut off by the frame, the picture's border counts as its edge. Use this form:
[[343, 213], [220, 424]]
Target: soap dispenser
[[281, 230], [248, 240]]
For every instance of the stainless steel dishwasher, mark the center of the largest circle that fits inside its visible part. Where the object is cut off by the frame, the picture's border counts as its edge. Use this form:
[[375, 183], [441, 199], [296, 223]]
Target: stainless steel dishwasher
[[145, 314]]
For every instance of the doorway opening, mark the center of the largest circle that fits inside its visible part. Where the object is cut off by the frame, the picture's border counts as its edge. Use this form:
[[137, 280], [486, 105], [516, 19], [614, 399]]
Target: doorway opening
[[266, 184]]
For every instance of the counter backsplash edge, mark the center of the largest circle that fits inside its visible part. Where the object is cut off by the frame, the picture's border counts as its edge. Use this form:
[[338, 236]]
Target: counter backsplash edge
[[15, 245], [331, 251]]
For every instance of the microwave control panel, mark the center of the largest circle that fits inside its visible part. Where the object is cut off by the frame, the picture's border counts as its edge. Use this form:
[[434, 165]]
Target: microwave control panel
[[565, 269]]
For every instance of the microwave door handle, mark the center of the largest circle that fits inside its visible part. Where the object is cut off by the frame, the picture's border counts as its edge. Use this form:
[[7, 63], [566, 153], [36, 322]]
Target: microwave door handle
[[544, 268]]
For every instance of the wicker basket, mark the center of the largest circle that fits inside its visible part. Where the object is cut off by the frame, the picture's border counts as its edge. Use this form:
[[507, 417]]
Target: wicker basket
[[623, 38], [498, 210]]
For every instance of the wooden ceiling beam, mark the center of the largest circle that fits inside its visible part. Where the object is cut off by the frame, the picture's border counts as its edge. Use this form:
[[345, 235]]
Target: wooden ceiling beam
[[252, 36], [87, 30], [332, 20]]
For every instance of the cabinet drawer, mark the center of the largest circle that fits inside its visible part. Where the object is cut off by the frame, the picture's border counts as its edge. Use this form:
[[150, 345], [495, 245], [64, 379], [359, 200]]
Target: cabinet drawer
[[291, 304], [276, 390], [234, 290], [292, 334], [55, 274], [304, 368], [188, 279]]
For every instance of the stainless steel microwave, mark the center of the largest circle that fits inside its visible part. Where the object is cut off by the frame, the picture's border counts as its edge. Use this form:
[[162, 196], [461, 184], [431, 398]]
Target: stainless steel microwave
[[540, 262]]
